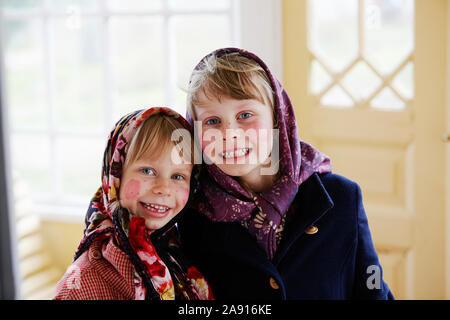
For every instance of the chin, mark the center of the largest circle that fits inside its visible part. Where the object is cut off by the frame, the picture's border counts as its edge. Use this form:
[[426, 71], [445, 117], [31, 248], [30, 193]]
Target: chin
[[236, 170], [155, 224], [152, 225]]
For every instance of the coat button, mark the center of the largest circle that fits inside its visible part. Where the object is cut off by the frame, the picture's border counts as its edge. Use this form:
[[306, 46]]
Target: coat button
[[312, 230], [96, 254], [273, 284]]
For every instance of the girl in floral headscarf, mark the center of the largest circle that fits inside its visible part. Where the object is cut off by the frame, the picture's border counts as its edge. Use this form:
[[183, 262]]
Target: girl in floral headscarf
[[271, 220], [130, 249]]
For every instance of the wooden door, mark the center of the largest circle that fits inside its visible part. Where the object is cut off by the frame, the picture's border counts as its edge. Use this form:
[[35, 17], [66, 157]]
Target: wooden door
[[368, 80]]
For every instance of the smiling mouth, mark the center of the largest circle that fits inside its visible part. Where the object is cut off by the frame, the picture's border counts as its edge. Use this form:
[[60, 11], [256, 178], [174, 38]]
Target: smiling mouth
[[235, 153], [155, 207]]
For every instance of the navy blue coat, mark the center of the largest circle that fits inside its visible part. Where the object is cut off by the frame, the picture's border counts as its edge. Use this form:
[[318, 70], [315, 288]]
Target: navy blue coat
[[337, 262]]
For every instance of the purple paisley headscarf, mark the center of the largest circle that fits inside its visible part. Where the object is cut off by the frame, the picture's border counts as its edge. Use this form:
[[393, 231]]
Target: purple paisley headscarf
[[221, 198]]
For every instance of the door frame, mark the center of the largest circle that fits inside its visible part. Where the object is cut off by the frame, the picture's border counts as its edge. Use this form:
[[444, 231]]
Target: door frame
[[447, 162]]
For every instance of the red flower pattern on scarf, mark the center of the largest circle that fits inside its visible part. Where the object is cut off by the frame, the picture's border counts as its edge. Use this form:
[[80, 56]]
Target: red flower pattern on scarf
[[139, 238]]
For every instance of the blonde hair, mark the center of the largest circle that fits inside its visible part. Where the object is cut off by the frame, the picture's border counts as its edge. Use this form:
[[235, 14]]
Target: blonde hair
[[231, 75], [155, 135]]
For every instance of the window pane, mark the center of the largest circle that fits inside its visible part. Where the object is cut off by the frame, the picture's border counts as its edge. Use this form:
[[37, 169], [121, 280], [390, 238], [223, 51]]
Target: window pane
[[389, 32], [31, 162], [25, 80], [361, 81], [78, 58], [387, 100], [214, 32], [336, 97], [74, 6], [334, 31], [138, 63], [199, 4], [22, 4], [404, 81], [81, 161], [319, 78], [134, 5]]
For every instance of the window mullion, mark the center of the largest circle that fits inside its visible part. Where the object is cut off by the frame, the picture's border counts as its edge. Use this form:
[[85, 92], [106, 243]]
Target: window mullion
[[108, 71], [235, 23], [169, 59], [361, 27]]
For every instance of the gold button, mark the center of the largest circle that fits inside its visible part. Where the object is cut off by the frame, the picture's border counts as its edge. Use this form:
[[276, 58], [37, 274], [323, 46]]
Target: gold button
[[96, 254], [273, 284], [312, 230]]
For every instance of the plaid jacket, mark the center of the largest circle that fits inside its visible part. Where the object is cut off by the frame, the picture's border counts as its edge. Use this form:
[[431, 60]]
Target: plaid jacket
[[103, 272]]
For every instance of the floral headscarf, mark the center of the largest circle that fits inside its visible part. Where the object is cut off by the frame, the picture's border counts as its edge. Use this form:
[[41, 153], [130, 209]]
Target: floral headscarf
[[221, 198], [156, 255]]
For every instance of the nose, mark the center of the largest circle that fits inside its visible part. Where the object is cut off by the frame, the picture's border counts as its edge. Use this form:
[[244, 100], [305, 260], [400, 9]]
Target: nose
[[161, 187], [229, 130]]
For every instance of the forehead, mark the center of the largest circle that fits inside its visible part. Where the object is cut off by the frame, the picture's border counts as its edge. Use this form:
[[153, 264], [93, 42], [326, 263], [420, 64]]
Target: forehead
[[168, 157]]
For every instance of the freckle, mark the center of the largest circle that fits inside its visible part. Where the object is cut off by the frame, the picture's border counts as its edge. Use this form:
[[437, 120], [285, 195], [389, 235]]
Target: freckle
[[132, 189]]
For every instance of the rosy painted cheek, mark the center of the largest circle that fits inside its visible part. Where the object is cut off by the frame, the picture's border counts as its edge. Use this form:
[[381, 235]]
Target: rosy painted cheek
[[132, 189], [208, 139], [183, 196], [208, 145], [262, 129], [262, 141], [259, 126], [205, 143]]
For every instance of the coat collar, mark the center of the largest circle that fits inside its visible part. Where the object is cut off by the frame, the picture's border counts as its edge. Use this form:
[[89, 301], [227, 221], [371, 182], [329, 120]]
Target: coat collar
[[312, 202]]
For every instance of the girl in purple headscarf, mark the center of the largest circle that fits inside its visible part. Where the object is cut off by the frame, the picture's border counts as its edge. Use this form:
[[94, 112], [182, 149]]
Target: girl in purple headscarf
[[268, 218]]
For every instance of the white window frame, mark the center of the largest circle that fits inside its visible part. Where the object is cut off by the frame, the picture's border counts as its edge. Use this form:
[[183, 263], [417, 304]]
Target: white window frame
[[255, 26]]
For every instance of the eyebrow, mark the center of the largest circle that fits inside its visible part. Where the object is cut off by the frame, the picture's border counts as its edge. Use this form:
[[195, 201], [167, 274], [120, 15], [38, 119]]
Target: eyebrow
[[182, 168], [246, 103]]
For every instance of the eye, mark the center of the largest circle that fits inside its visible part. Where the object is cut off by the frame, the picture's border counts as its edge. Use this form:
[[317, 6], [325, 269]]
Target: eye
[[212, 121], [148, 171], [245, 115], [178, 177]]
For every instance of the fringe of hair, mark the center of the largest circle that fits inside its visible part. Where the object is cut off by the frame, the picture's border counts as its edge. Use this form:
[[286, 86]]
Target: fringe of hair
[[155, 135]]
